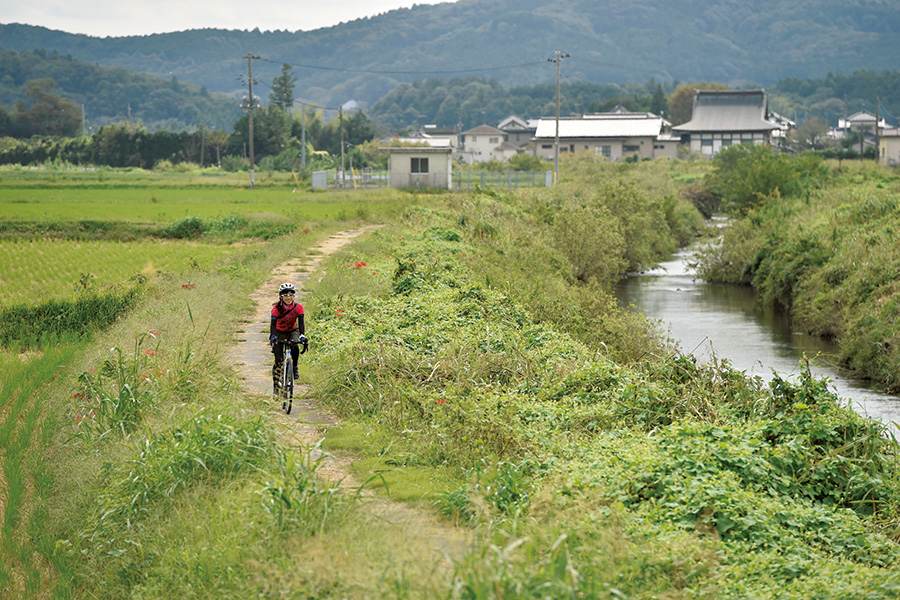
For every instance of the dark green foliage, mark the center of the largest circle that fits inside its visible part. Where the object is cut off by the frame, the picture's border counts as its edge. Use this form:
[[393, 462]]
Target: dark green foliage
[[43, 323], [108, 93], [748, 175]]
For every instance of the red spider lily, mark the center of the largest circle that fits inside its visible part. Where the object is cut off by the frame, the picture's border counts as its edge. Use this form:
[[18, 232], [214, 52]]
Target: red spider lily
[[373, 272], [306, 230], [79, 419], [77, 396], [149, 353], [153, 333], [160, 372], [441, 401], [339, 313], [145, 376], [188, 286]]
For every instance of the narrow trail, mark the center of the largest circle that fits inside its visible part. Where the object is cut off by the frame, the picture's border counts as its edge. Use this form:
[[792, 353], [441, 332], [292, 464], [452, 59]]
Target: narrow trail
[[308, 421]]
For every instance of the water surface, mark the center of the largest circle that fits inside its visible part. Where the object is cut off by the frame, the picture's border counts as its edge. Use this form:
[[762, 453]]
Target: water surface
[[725, 321]]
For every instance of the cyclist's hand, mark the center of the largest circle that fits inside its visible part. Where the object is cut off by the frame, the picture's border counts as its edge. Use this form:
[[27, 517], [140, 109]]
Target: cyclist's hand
[[272, 339], [303, 340]]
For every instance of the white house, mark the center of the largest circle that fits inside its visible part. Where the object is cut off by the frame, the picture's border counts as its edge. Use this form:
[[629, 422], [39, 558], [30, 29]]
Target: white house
[[889, 147], [720, 118], [614, 135], [483, 143]]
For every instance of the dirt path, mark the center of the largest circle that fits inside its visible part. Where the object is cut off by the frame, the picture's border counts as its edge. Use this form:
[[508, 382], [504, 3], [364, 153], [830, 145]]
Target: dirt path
[[308, 421]]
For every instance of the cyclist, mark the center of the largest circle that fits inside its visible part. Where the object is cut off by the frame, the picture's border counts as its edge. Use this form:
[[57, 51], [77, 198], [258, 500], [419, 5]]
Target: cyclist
[[286, 326]]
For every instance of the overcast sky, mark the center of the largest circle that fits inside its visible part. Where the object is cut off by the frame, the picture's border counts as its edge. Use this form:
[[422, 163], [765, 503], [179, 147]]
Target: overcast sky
[[142, 17]]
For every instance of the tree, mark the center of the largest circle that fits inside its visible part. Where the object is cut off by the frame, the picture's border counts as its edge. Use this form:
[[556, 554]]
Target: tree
[[50, 114], [681, 102], [658, 104], [812, 134], [282, 93]]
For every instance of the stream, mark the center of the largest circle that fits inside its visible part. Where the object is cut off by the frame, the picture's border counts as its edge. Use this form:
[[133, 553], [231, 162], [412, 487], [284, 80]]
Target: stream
[[725, 321]]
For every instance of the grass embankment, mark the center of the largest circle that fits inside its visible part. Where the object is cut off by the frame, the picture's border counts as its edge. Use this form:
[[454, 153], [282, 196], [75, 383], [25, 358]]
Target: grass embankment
[[829, 255], [484, 371], [592, 470]]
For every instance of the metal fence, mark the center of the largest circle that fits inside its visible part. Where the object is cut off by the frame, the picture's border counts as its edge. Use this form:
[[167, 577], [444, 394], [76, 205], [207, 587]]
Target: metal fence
[[355, 179], [467, 180]]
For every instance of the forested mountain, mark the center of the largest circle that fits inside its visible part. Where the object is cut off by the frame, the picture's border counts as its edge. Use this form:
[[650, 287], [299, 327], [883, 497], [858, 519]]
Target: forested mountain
[[470, 101], [609, 41], [114, 94]]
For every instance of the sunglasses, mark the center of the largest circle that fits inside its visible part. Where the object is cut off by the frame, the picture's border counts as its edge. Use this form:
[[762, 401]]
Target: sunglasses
[[288, 294]]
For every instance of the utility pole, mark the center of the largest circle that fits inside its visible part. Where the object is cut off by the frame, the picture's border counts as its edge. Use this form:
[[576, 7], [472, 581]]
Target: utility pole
[[250, 58], [557, 58], [303, 137], [877, 133], [341, 115]]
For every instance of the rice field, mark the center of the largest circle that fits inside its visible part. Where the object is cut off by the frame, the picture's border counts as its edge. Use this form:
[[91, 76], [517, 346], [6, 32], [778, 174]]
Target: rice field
[[34, 270], [148, 197]]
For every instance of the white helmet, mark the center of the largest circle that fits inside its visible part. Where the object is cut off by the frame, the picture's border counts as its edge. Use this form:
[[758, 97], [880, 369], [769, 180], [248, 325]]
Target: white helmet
[[286, 287]]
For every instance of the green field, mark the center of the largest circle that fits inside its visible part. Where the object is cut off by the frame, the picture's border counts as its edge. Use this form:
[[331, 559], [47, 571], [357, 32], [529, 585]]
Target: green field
[[33, 271], [148, 197], [484, 377]]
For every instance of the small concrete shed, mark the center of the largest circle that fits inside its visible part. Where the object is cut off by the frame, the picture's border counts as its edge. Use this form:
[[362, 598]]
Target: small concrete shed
[[420, 167]]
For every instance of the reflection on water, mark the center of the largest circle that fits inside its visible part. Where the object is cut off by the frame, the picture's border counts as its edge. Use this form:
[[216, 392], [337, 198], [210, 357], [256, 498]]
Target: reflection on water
[[709, 319]]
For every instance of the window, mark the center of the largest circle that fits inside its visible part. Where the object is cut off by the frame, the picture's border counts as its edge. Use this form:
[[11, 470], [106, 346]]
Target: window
[[630, 148], [603, 150], [493, 140], [418, 165], [546, 146]]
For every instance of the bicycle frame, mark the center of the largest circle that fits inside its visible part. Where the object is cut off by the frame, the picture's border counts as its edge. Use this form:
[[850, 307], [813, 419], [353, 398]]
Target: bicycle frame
[[286, 376]]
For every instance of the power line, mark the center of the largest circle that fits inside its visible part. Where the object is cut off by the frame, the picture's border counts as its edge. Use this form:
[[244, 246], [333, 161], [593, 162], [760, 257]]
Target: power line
[[398, 72]]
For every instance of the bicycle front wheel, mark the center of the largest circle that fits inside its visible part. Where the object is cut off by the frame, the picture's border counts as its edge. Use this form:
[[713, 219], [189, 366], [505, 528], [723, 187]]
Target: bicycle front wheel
[[287, 385]]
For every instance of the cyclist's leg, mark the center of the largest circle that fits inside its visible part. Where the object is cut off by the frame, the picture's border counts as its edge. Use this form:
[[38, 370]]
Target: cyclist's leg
[[280, 337], [295, 350]]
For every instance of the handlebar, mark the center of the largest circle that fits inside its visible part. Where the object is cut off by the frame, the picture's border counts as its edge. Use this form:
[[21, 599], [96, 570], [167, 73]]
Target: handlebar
[[292, 343]]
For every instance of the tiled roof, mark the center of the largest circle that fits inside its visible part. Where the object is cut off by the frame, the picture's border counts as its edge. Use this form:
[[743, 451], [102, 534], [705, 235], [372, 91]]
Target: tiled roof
[[727, 110]]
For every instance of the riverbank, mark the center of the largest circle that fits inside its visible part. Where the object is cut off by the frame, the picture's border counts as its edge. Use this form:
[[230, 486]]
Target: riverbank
[[830, 258]]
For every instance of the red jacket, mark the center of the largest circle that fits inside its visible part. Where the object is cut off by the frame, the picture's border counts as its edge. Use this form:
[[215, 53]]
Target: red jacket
[[287, 317]]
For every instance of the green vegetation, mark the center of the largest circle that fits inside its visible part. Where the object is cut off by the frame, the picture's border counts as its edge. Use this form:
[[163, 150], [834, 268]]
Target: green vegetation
[[485, 375], [591, 471], [819, 240]]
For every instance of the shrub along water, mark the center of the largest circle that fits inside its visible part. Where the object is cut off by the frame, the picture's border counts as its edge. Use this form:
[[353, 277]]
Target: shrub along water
[[830, 258]]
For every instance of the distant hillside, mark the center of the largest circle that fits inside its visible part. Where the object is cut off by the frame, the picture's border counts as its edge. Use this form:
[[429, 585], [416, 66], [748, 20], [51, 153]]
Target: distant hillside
[[732, 41], [113, 94]]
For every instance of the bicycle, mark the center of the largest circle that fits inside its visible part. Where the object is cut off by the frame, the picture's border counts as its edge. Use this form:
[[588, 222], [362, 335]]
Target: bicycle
[[285, 382]]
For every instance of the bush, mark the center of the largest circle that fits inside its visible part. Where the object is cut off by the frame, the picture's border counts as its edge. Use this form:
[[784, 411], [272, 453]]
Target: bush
[[745, 176], [186, 228]]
